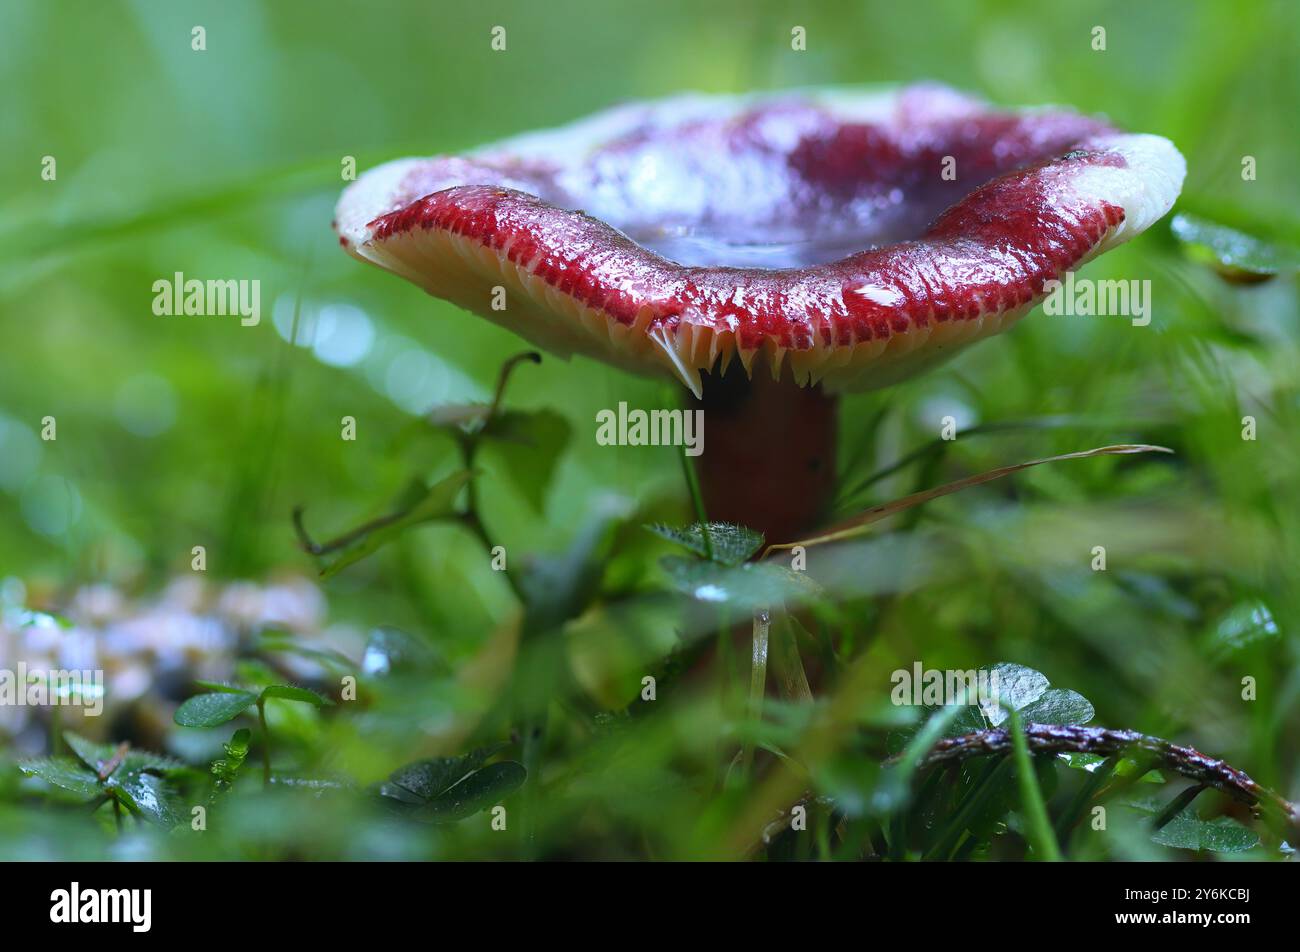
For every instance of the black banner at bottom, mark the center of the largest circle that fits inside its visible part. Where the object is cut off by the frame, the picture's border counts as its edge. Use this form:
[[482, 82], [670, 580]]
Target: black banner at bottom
[[335, 901]]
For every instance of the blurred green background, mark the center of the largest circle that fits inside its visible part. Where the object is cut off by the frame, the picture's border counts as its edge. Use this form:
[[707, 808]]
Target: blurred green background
[[180, 431]]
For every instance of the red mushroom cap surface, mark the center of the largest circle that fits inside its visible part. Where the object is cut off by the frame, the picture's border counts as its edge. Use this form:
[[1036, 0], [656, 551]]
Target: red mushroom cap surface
[[857, 237]]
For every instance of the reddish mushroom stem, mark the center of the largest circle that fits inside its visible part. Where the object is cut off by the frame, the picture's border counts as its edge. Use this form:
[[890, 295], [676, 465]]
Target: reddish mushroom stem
[[769, 452]]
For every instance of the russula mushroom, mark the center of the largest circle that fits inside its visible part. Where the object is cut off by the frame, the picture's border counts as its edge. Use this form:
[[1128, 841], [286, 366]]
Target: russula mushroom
[[770, 253]]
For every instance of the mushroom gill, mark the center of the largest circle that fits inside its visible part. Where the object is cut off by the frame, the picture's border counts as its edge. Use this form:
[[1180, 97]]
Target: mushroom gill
[[836, 241]]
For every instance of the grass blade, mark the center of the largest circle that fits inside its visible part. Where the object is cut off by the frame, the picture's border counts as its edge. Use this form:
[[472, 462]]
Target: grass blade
[[1037, 827], [858, 524]]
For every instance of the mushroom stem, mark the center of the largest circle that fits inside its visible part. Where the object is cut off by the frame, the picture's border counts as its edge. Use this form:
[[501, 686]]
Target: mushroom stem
[[769, 452]]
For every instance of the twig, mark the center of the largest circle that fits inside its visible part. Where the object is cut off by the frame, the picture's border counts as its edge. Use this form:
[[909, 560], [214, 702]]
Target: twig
[[108, 767], [1190, 763], [352, 535]]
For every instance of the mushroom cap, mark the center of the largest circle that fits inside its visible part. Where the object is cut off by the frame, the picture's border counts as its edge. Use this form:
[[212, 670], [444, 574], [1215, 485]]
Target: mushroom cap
[[859, 237]]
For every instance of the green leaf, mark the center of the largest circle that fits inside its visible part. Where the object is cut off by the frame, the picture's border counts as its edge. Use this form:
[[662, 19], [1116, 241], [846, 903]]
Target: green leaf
[[287, 692], [478, 791], [96, 756], [1058, 706], [161, 764], [1220, 835], [91, 754], [750, 586], [438, 503], [1187, 831], [1016, 688], [424, 780], [732, 544], [1231, 249], [529, 445], [64, 773], [1027, 691], [148, 795], [210, 710]]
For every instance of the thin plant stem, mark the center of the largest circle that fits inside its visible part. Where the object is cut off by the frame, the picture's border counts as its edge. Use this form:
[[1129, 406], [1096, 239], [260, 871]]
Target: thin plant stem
[[1177, 806], [757, 683], [266, 742], [697, 500], [468, 444], [928, 449], [504, 376], [343, 541]]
